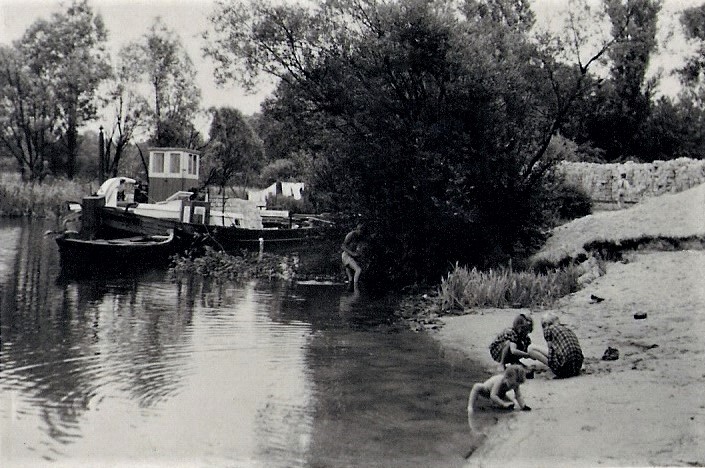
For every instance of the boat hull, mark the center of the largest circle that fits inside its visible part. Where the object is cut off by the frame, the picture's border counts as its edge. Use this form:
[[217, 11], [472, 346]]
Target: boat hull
[[230, 238], [143, 249]]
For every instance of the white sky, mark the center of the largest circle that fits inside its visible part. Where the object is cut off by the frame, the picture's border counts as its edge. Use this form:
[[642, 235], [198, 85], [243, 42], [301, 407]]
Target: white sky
[[127, 20]]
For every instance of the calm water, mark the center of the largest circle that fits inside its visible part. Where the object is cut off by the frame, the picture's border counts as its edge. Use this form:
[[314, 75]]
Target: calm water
[[136, 369]]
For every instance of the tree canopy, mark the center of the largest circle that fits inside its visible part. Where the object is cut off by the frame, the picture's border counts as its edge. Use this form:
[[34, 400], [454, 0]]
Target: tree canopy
[[429, 118], [53, 72], [160, 61], [234, 152]]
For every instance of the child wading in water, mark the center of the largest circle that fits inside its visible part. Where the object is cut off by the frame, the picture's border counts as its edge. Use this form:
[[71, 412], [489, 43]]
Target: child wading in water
[[496, 387]]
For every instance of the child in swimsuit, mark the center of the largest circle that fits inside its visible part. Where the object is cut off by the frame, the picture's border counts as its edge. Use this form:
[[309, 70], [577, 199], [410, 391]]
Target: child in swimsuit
[[496, 388]]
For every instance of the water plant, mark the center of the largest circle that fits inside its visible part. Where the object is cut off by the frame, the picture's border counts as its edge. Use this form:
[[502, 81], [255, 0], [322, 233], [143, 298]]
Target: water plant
[[220, 265]]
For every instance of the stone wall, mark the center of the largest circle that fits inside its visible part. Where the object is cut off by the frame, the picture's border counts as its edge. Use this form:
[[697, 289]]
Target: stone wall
[[645, 179]]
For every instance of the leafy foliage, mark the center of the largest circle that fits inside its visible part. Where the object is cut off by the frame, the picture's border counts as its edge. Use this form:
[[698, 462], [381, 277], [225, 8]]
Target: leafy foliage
[[278, 170], [67, 55], [693, 21], [571, 202], [431, 121], [130, 111], [290, 204], [28, 114], [160, 61], [222, 266], [234, 153], [48, 83]]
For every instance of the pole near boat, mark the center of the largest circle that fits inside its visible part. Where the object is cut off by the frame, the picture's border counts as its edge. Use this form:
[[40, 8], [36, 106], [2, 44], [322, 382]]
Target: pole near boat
[[91, 217], [261, 247]]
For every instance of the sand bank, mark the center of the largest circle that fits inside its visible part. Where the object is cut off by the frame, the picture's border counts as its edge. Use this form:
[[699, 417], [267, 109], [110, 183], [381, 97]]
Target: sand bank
[[645, 409]]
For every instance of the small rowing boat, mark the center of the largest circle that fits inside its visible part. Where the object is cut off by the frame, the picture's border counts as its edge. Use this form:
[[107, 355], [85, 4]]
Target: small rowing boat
[[143, 249]]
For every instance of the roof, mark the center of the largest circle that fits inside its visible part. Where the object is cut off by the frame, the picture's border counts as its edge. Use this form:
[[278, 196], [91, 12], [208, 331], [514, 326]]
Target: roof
[[170, 148]]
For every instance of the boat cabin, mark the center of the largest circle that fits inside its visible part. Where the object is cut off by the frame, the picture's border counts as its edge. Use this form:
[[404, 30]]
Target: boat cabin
[[172, 170], [173, 177]]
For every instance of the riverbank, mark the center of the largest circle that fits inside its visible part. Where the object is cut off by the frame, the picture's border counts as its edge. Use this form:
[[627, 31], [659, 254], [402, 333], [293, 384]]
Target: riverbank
[[646, 408]]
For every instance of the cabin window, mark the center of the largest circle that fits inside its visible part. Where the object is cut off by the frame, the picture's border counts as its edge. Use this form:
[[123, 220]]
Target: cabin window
[[192, 164], [175, 163], [157, 162]]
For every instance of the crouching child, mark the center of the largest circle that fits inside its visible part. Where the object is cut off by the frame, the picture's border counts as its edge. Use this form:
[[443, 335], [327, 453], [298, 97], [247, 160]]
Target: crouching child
[[512, 344], [496, 387]]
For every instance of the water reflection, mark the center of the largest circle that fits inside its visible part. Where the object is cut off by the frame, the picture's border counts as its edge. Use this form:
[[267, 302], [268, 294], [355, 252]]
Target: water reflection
[[132, 368]]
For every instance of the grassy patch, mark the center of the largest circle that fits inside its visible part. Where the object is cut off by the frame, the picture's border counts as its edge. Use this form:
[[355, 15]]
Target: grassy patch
[[19, 198], [503, 287]]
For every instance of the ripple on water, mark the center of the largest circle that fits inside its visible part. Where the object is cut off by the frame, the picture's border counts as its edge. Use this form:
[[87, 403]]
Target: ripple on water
[[140, 368]]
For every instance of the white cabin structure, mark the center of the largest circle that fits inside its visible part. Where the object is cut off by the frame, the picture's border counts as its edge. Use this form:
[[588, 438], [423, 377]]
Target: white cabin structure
[[172, 170]]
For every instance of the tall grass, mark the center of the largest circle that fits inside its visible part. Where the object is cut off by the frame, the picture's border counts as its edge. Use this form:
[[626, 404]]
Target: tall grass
[[19, 198], [466, 288]]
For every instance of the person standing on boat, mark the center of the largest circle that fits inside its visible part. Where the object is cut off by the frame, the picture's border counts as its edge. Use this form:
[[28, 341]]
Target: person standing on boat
[[140, 192], [121, 191], [352, 255]]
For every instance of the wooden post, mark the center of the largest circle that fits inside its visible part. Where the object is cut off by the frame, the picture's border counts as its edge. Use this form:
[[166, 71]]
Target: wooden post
[[101, 155], [91, 218]]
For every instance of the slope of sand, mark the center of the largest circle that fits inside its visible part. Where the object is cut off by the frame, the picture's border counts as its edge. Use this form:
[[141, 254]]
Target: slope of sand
[[677, 215], [645, 409]]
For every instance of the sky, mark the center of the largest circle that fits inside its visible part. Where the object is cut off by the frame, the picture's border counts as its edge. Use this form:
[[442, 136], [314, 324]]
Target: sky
[[128, 20]]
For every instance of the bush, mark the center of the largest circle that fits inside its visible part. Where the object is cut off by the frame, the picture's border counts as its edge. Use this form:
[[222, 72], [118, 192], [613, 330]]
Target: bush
[[572, 202], [281, 169], [466, 288], [563, 149]]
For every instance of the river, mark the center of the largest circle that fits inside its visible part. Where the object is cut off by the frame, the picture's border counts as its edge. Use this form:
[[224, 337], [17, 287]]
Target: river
[[133, 368]]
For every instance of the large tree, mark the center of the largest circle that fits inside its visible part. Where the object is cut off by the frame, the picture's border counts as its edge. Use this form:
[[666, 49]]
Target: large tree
[[130, 112], [234, 152], [693, 73], [28, 115], [162, 63], [68, 54], [620, 125], [431, 118]]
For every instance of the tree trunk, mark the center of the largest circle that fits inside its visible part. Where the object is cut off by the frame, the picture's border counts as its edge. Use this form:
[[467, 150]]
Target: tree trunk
[[71, 143]]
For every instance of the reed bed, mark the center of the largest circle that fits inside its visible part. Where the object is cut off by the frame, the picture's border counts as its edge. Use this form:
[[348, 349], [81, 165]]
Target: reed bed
[[465, 288], [20, 198]]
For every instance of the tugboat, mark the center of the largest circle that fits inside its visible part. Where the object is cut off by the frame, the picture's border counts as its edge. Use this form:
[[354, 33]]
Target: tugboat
[[232, 225]]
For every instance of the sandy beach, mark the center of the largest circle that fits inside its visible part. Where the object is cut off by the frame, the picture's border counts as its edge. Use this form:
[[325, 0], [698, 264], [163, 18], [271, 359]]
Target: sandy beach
[[646, 408]]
